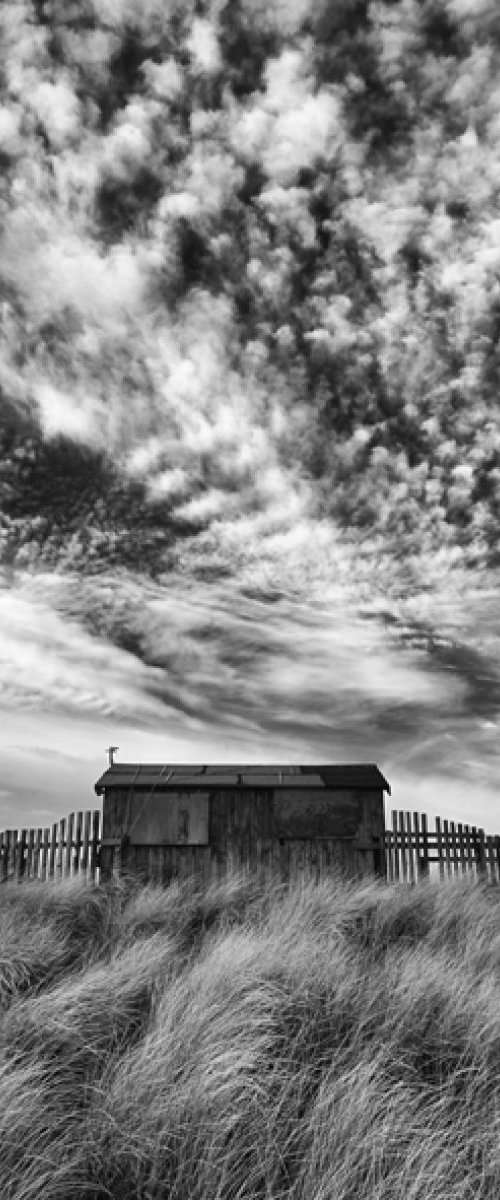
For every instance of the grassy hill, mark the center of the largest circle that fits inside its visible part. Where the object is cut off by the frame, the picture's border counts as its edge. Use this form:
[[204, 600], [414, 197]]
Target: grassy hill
[[334, 1041]]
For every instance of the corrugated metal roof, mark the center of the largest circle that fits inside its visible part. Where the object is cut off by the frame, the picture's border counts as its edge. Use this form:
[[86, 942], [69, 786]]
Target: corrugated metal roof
[[331, 775]]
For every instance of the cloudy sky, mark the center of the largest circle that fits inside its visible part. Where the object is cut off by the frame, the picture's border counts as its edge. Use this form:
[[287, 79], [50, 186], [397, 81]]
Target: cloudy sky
[[250, 440]]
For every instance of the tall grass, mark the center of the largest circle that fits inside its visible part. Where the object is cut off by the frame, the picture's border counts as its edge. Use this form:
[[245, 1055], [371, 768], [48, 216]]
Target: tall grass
[[328, 1042]]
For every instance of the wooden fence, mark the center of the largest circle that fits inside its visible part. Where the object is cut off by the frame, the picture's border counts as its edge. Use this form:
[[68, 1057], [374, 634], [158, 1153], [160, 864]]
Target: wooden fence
[[410, 848], [72, 846], [69, 847]]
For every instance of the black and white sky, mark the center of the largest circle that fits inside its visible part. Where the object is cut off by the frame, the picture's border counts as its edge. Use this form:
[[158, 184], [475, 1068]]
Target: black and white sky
[[249, 417]]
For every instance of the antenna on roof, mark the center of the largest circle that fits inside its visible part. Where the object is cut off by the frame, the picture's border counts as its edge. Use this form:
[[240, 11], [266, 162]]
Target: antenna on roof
[[110, 751]]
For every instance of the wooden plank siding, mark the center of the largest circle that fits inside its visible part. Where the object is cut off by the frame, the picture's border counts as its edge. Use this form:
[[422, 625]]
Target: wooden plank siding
[[241, 836]]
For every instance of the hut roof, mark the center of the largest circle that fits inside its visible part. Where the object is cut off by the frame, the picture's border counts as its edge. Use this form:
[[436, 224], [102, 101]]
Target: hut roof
[[173, 775]]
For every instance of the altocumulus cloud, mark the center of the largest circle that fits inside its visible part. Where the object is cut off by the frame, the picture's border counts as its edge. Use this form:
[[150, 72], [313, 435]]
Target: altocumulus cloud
[[246, 487]]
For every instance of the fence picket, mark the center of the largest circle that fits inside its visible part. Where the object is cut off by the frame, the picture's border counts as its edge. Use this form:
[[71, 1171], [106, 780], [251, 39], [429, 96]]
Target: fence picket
[[52, 852], [45, 853], [446, 842], [410, 848], [61, 841], [455, 847], [69, 844], [86, 838], [469, 857], [395, 845], [418, 845], [96, 842], [461, 848], [3, 857], [77, 843], [73, 845], [21, 853], [29, 868], [411, 852], [483, 870], [439, 841], [425, 845], [497, 840], [36, 853], [402, 835]]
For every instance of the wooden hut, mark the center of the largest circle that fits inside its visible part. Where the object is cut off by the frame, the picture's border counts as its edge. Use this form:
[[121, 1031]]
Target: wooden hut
[[170, 820]]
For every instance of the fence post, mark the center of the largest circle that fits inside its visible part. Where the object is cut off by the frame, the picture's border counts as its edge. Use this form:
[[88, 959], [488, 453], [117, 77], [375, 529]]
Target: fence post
[[498, 857], [95, 844], [20, 853], [37, 841], [411, 855], [45, 853], [10, 838], [77, 843], [52, 851], [30, 843], [423, 858], [395, 845], [469, 851], [439, 843], [461, 847], [85, 841], [481, 853], [402, 833], [3, 857]]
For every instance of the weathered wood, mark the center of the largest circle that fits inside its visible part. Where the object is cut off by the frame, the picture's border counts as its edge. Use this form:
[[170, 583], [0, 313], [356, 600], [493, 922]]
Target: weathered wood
[[497, 840], [453, 846], [410, 848], [241, 825], [395, 846], [61, 843], [95, 843], [446, 842], [77, 842], [461, 849], [22, 847], [468, 854], [451, 849], [491, 851], [4, 855], [86, 841], [45, 853], [389, 856], [11, 852], [424, 860], [68, 848], [37, 853], [30, 866], [481, 852], [52, 851], [402, 844], [440, 847], [241, 836]]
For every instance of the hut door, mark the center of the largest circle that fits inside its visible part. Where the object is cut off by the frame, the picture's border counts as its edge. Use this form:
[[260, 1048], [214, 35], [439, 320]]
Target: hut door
[[170, 819], [316, 813], [183, 832]]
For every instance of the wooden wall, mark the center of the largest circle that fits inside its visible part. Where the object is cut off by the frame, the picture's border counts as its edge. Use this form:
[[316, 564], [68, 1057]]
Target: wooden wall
[[242, 834]]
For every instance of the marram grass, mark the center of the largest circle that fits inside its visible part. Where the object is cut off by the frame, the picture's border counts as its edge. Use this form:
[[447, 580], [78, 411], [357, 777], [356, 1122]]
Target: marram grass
[[332, 1042]]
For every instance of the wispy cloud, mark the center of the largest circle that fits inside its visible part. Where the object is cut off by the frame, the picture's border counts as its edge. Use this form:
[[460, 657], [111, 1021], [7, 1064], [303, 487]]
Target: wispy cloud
[[49, 662], [202, 286]]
